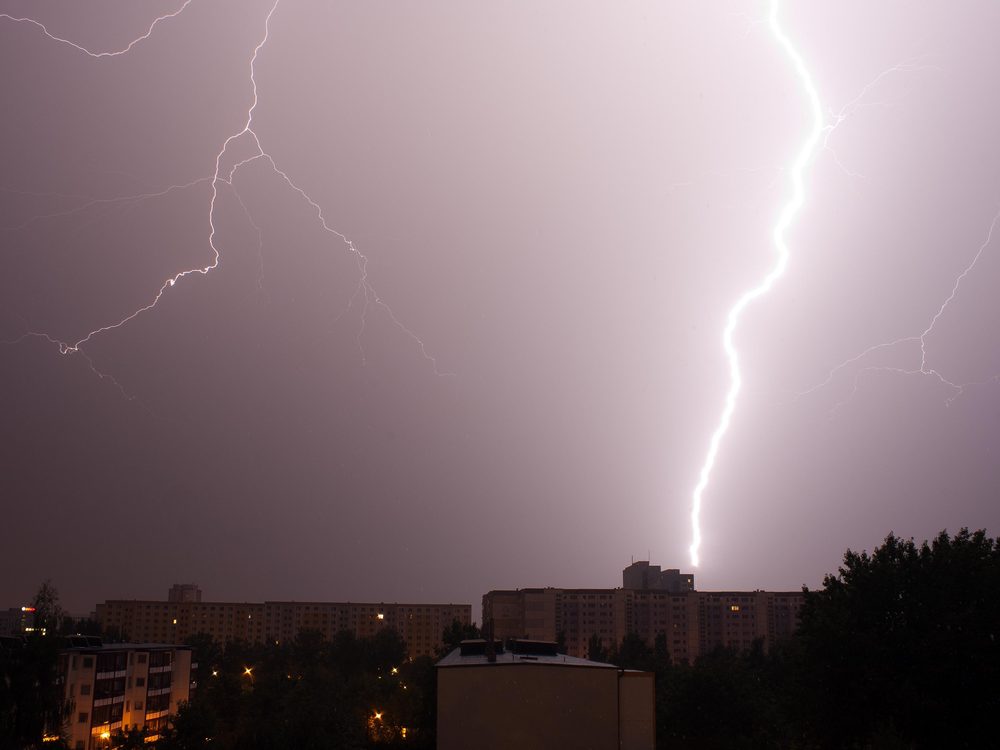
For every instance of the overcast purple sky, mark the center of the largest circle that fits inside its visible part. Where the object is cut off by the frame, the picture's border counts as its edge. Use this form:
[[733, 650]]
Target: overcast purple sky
[[559, 201]]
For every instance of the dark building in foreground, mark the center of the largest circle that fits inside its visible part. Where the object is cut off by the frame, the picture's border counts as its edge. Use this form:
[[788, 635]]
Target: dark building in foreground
[[173, 621], [529, 697], [651, 602]]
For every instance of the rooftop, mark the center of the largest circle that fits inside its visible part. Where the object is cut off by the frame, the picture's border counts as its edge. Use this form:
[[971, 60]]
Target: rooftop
[[473, 653]]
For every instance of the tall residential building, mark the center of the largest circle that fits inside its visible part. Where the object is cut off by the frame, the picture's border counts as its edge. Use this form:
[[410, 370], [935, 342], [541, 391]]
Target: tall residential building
[[184, 592], [693, 622], [420, 625], [115, 687], [642, 575]]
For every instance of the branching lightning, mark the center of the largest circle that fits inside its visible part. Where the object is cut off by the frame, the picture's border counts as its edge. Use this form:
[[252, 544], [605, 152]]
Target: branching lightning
[[364, 290], [924, 369], [797, 175]]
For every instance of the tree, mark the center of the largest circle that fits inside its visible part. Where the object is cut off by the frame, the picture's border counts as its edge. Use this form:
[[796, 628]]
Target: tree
[[903, 646], [633, 653], [48, 614], [31, 695], [457, 632], [595, 649]]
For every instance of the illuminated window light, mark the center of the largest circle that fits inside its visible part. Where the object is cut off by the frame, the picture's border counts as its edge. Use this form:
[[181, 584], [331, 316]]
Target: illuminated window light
[[734, 607], [380, 616]]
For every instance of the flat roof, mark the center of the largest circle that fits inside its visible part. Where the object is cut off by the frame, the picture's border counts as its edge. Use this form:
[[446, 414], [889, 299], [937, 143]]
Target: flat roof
[[130, 647], [455, 659]]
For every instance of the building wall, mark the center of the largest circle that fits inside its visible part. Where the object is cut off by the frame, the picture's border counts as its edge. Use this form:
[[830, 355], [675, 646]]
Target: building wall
[[112, 689], [636, 709], [694, 622], [420, 625], [541, 706]]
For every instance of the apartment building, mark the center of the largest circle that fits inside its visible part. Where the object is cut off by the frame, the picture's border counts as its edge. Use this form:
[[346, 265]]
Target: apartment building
[[693, 622], [114, 687], [420, 625]]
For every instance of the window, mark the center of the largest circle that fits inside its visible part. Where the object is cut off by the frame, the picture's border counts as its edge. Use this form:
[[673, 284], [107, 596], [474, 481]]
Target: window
[[85, 688], [81, 745], [88, 662], [140, 681], [138, 705], [142, 658], [82, 719]]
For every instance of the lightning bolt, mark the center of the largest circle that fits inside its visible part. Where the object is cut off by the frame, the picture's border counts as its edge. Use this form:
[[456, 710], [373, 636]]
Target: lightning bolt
[[98, 55], [364, 290], [807, 151]]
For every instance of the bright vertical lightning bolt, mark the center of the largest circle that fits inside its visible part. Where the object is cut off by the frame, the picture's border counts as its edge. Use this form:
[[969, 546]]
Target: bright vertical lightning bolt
[[364, 289], [785, 218]]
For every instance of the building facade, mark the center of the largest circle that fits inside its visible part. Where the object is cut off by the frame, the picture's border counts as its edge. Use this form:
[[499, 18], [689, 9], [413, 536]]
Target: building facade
[[420, 625], [115, 687], [693, 622]]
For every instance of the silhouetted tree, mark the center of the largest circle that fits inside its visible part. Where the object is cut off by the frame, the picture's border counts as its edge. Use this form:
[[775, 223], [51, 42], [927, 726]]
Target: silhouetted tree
[[595, 649], [901, 646], [31, 694], [457, 632], [132, 738], [632, 653], [310, 693], [48, 614]]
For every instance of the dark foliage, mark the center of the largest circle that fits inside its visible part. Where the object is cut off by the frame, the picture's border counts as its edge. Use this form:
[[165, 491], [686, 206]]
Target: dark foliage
[[31, 695], [456, 633], [902, 646], [310, 694], [899, 649]]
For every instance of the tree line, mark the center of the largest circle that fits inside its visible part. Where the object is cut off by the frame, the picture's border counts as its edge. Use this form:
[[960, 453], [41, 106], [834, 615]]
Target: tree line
[[898, 649]]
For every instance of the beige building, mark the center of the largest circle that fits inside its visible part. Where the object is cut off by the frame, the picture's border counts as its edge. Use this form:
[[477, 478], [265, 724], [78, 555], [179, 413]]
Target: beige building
[[113, 687], [531, 698], [693, 622], [420, 625]]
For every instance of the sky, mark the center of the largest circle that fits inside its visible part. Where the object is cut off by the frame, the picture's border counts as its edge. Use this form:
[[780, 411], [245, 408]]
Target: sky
[[474, 262]]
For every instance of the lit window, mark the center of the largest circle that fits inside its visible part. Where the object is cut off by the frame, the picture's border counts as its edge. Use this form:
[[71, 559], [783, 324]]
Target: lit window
[[734, 607]]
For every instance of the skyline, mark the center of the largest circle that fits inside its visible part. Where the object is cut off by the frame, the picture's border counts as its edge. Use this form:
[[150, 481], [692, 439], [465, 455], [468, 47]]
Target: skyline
[[556, 209]]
